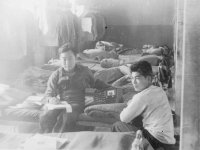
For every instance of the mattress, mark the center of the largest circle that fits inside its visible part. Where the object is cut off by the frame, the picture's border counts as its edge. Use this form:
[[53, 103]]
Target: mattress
[[80, 140]]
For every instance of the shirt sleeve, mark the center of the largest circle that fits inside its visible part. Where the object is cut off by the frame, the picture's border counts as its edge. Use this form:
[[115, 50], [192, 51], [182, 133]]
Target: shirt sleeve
[[51, 90], [95, 82], [135, 107]]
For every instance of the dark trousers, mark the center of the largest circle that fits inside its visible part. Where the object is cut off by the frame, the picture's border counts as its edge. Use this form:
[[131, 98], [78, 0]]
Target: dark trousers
[[58, 120], [124, 127]]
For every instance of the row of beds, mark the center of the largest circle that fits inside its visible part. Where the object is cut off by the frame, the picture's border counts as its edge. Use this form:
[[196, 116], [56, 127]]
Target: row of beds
[[33, 81]]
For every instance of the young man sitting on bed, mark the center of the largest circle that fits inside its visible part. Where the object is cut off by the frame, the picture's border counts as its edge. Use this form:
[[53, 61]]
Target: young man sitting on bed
[[151, 104], [70, 81]]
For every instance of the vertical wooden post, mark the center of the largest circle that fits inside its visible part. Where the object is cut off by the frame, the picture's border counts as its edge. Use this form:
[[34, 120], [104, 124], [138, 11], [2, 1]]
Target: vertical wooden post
[[178, 57], [190, 93]]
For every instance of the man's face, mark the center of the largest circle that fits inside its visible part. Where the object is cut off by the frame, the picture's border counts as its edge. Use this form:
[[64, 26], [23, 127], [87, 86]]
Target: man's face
[[140, 82], [68, 61]]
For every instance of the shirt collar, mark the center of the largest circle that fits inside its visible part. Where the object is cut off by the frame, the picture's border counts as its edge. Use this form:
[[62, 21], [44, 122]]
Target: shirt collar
[[63, 73]]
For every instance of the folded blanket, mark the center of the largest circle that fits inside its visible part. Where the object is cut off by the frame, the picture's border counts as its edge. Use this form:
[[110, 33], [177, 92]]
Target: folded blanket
[[105, 110], [52, 66], [107, 46], [153, 51], [33, 76], [109, 75], [12, 96], [107, 120], [152, 59], [97, 54]]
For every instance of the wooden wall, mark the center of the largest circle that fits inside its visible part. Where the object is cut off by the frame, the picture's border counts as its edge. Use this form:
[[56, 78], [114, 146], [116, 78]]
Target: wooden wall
[[136, 22], [130, 22]]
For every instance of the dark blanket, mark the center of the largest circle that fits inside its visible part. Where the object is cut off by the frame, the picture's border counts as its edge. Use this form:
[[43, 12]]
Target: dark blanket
[[33, 79], [109, 75], [81, 140], [105, 110]]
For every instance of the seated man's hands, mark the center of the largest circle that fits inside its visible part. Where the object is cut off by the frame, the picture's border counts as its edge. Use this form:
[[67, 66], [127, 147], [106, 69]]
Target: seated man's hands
[[54, 100]]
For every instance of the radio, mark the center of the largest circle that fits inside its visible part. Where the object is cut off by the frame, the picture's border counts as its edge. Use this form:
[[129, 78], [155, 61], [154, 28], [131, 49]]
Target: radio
[[109, 95]]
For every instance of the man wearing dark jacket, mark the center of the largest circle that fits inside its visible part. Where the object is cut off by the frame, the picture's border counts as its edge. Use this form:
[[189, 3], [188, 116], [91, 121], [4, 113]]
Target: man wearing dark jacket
[[68, 83]]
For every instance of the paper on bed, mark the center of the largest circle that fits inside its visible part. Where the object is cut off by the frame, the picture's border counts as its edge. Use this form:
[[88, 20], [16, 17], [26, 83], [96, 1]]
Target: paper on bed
[[61, 105]]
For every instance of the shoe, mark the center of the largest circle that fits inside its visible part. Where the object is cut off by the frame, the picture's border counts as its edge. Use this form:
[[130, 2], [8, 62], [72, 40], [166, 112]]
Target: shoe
[[137, 143]]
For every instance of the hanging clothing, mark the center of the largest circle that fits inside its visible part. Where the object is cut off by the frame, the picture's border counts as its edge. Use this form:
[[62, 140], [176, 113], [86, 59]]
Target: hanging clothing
[[60, 27], [101, 26], [50, 30], [30, 29], [69, 28], [89, 35], [17, 32], [95, 24]]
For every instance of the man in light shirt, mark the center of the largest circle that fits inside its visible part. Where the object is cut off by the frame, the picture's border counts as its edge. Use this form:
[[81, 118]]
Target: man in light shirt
[[151, 104]]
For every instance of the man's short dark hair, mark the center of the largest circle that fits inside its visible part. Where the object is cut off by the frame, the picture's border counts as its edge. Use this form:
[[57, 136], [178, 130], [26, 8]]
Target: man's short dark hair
[[66, 48], [142, 67]]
